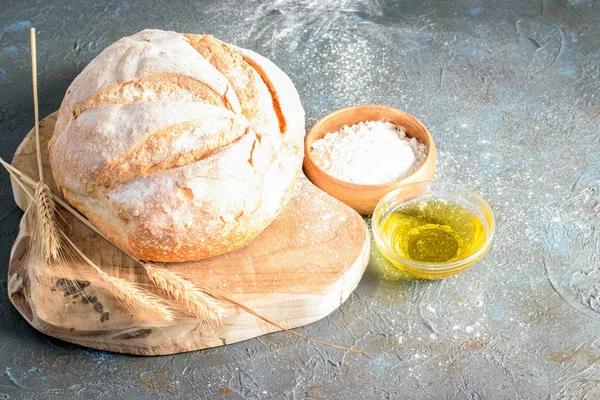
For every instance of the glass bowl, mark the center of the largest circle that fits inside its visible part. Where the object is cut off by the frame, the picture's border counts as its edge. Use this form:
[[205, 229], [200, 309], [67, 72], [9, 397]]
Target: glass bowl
[[444, 191]]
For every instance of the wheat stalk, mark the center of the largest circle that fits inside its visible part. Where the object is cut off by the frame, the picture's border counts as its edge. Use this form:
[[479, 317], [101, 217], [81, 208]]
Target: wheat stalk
[[45, 233], [200, 304], [35, 257]]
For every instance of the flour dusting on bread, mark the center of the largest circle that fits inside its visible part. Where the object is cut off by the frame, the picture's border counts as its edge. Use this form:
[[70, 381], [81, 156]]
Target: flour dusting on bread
[[178, 147]]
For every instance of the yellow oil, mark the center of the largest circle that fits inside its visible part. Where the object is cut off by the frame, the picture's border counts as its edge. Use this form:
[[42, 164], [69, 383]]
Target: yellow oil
[[433, 230]]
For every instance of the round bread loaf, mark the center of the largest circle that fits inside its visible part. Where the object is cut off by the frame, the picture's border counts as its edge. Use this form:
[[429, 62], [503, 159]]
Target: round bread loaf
[[178, 147]]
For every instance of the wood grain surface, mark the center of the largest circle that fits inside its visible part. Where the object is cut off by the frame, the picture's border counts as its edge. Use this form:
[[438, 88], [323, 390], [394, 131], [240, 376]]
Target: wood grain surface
[[300, 269]]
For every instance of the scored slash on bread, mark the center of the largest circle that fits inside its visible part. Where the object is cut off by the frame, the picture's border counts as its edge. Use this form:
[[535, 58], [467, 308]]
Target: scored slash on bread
[[178, 147]]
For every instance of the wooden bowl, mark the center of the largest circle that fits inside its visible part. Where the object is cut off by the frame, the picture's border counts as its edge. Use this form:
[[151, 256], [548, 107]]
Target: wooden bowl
[[364, 198]]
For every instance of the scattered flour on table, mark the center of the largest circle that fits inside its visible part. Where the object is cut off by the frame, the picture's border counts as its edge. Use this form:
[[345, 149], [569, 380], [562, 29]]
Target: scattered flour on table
[[368, 153]]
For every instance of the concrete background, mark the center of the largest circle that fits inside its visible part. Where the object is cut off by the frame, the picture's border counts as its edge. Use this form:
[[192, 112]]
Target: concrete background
[[510, 91]]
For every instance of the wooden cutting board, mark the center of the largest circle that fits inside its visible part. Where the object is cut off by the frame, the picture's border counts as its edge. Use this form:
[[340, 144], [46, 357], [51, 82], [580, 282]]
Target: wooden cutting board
[[300, 269]]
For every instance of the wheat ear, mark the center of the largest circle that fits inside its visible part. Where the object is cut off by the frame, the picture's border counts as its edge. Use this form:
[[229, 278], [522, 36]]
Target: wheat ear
[[200, 304], [128, 293], [45, 235], [136, 298]]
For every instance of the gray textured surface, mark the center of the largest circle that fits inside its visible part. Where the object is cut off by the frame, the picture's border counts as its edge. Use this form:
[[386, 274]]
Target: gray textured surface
[[510, 91]]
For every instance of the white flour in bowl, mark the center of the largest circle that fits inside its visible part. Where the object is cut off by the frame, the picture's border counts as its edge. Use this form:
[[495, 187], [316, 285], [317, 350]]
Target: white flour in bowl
[[368, 153]]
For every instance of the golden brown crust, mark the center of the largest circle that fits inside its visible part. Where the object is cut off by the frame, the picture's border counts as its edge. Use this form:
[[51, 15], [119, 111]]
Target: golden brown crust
[[246, 82], [178, 147], [232, 66], [271, 88]]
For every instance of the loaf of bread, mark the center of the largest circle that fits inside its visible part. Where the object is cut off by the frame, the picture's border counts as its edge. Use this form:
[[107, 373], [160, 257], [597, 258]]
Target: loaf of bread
[[178, 147]]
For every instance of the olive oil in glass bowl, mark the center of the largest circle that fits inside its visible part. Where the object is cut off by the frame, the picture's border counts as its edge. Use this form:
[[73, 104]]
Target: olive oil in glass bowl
[[433, 230]]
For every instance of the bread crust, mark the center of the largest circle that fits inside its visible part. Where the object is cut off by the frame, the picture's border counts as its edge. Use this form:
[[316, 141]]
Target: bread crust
[[178, 147]]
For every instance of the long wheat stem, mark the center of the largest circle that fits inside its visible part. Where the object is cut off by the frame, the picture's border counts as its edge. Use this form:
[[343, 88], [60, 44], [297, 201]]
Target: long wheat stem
[[271, 322], [45, 238], [36, 112]]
